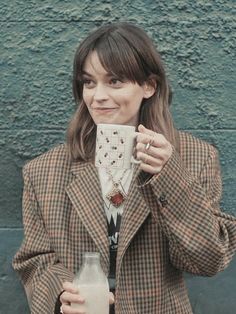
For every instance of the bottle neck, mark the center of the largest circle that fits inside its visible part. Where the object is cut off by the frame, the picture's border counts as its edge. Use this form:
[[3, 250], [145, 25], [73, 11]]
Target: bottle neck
[[91, 259], [91, 271]]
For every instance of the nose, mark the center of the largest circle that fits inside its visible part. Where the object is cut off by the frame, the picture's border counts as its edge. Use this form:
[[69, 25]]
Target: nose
[[100, 93]]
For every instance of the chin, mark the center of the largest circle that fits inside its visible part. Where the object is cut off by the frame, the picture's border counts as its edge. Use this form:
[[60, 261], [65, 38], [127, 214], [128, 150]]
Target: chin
[[104, 121]]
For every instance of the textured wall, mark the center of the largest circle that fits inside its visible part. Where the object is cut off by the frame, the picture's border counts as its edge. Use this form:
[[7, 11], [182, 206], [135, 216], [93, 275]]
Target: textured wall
[[37, 43]]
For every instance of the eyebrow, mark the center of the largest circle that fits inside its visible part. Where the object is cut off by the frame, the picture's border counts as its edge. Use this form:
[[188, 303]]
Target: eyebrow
[[86, 73]]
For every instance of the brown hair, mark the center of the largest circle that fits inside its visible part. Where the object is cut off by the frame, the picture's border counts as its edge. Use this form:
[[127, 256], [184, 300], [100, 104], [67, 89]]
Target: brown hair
[[126, 51]]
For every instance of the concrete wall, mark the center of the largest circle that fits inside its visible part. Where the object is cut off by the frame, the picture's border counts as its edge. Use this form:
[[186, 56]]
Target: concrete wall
[[37, 43]]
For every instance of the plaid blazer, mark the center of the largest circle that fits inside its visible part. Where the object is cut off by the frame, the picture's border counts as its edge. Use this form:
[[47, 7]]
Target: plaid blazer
[[170, 224]]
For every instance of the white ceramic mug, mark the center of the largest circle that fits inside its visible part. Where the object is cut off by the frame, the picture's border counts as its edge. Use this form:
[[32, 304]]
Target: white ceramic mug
[[114, 146]]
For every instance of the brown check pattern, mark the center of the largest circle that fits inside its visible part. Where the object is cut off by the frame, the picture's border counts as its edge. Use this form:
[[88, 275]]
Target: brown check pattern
[[170, 224]]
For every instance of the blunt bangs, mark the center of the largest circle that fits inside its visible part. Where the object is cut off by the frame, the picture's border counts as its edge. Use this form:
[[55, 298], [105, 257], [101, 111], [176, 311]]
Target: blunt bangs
[[121, 59], [118, 55]]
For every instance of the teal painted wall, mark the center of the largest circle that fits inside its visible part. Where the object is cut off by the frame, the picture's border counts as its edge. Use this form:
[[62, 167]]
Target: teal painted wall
[[197, 40]]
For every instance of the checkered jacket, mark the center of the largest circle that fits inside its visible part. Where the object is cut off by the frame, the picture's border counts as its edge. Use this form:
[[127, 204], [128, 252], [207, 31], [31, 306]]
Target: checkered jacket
[[170, 224]]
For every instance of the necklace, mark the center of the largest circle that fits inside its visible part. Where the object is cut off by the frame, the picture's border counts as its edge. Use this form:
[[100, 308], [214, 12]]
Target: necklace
[[116, 196]]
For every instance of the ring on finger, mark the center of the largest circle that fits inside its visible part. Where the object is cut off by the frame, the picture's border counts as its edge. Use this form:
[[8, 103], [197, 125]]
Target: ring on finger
[[149, 144], [61, 310]]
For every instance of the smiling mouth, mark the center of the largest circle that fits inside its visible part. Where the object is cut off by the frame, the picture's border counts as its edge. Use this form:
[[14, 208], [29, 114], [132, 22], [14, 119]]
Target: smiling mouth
[[103, 109]]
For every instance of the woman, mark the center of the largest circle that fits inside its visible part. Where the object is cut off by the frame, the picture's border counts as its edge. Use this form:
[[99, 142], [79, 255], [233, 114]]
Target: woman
[[170, 220]]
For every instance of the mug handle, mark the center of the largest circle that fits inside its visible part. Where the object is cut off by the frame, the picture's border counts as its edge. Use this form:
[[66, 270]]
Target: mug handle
[[133, 160]]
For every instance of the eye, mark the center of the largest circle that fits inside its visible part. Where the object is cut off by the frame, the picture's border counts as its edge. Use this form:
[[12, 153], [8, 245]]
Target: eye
[[115, 81], [88, 83]]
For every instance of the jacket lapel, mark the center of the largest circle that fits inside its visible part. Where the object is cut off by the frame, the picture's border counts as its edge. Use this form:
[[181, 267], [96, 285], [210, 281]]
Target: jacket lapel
[[135, 213], [85, 194]]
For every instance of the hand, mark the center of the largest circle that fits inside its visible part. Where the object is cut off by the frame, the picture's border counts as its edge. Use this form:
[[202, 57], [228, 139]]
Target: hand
[[155, 155], [71, 295]]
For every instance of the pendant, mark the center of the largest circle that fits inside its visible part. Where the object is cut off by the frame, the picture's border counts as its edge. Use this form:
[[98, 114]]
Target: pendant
[[116, 197]]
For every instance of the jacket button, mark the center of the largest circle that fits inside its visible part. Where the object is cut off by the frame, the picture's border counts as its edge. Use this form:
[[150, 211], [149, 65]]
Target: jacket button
[[163, 200]]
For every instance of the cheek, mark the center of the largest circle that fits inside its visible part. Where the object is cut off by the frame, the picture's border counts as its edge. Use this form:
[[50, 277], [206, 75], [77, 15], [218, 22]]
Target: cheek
[[134, 101], [135, 95], [86, 96]]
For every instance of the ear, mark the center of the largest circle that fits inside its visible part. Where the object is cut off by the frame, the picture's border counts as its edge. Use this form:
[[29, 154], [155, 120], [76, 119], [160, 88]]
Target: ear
[[149, 89]]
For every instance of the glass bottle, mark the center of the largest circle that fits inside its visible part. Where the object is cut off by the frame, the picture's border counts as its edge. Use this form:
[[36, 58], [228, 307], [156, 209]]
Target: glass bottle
[[93, 285]]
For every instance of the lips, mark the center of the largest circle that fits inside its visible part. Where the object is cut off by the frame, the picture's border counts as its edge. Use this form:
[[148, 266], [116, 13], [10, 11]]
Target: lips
[[103, 108]]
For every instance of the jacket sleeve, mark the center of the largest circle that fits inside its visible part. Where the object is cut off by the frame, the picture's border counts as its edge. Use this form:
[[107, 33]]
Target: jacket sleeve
[[202, 239], [36, 261]]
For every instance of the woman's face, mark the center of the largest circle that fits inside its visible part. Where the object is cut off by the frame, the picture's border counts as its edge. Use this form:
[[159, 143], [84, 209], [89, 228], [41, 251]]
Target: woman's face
[[109, 99]]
